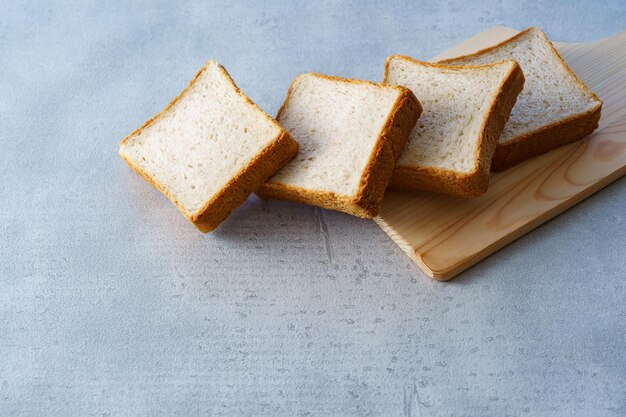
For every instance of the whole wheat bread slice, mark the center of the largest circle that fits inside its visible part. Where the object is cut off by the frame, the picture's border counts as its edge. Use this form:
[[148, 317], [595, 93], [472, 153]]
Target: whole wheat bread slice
[[555, 106], [350, 133], [209, 148], [465, 109]]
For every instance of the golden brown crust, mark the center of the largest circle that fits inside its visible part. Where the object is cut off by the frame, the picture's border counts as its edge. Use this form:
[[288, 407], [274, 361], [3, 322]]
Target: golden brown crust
[[476, 182], [501, 111], [324, 199], [391, 140], [236, 192], [439, 65], [269, 160], [489, 48], [546, 138], [390, 144]]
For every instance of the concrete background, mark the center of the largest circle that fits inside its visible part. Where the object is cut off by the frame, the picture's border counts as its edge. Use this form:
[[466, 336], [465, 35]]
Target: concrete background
[[111, 304]]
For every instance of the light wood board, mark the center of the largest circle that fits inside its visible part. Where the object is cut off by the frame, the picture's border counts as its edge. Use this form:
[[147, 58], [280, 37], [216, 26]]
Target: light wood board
[[445, 235]]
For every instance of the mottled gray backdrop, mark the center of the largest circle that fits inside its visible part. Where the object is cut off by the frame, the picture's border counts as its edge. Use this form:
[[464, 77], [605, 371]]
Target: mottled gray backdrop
[[111, 304]]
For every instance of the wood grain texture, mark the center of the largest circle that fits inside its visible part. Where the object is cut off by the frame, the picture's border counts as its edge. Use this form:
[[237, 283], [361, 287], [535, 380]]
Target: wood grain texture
[[445, 235]]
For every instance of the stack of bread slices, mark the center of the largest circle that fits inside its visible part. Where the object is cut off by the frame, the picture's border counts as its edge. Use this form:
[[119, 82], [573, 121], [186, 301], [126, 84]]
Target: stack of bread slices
[[339, 143]]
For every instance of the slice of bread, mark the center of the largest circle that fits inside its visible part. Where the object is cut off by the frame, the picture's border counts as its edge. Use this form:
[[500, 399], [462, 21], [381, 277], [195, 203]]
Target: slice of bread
[[554, 108], [350, 133], [465, 109], [209, 148]]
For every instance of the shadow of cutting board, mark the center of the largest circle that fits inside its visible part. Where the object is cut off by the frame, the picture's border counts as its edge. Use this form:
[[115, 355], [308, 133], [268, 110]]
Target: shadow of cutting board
[[445, 235]]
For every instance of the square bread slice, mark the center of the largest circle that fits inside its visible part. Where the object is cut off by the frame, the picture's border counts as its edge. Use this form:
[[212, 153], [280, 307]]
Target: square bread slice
[[555, 106], [350, 133], [465, 109], [209, 148]]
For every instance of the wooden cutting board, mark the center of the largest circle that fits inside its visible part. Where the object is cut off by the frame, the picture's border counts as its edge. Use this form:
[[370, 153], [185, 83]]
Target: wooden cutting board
[[445, 235]]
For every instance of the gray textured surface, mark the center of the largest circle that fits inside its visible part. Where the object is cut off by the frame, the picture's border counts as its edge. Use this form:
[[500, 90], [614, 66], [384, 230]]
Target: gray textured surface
[[111, 304]]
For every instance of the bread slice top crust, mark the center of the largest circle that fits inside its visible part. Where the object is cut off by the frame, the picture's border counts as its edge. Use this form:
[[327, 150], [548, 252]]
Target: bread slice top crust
[[337, 123], [204, 139], [552, 92], [457, 102]]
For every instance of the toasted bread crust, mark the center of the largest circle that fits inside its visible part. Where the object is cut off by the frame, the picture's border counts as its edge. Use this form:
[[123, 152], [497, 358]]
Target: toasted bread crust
[[476, 182], [546, 138], [390, 142], [269, 160]]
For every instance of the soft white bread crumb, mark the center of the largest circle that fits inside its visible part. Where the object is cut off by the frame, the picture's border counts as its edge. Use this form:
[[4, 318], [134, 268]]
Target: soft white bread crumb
[[456, 102], [465, 109], [551, 92], [336, 125], [555, 107], [209, 149], [350, 133]]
